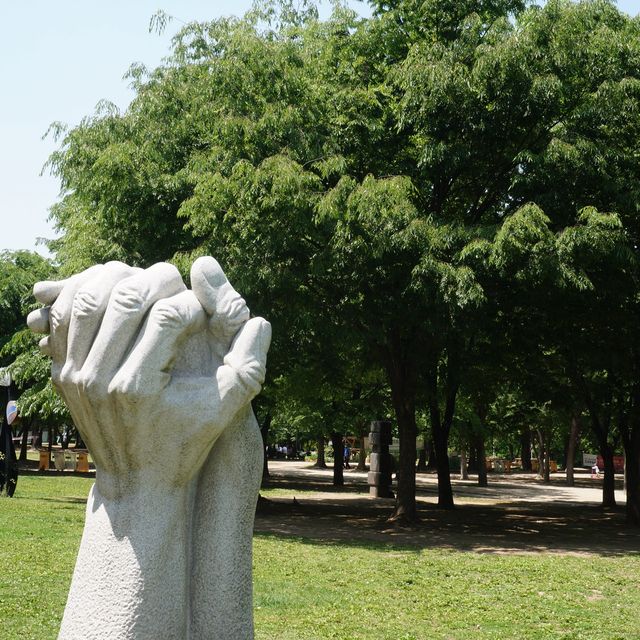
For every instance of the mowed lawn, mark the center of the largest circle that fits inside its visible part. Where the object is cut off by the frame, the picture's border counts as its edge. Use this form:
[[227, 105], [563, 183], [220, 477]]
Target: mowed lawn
[[355, 591]]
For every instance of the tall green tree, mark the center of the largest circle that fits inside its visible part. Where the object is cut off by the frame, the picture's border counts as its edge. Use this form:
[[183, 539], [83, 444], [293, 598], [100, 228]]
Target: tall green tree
[[38, 403], [370, 180]]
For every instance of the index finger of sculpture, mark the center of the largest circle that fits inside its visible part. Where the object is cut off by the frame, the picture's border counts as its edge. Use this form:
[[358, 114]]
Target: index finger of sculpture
[[89, 304], [60, 316], [128, 304], [222, 302], [47, 291], [38, 322]]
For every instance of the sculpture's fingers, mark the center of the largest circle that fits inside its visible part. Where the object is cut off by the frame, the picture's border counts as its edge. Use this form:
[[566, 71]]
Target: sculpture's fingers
[[45, 346], [221, 301], [213, 403], [128, 304], [241, 376], [170, 321], [60, 317], [89, 305], [38, 320], [47, 291]]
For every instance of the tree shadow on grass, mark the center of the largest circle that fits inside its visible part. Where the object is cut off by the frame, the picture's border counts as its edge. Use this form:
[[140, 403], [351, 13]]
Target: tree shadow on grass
[[64, 500], [353, 486], [533, 527]]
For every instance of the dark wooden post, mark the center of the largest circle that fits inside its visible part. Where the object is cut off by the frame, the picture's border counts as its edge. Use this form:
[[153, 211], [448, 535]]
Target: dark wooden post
[[380, 469]]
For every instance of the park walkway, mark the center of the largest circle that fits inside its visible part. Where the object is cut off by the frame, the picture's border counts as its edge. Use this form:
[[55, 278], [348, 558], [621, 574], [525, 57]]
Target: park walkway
[[507, 487], [516, 513]]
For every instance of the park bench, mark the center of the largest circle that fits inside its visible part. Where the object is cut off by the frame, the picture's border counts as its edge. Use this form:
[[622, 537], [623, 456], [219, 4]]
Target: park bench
[[65, 460]]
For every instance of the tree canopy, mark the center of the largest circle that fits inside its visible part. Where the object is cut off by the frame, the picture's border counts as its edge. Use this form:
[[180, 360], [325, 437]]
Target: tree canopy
[[29, 369], [438, 194]]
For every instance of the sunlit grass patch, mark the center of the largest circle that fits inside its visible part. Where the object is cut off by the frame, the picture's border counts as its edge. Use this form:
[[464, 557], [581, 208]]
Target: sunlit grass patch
[[352, 591]]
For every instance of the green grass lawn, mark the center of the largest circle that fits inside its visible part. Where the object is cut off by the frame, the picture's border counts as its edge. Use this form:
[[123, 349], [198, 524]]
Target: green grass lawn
[[311, 591]]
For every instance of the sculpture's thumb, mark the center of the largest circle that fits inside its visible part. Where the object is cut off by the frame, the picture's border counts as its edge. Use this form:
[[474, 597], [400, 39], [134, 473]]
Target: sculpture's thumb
[[227, 309], [248, 354]]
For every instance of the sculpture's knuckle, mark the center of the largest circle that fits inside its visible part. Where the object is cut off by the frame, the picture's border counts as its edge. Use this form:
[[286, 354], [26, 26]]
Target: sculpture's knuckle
[[116, 388], [85, 303], [131, 391], [232, 306], [254, 372], [168, 270], [45, 345], [128, 298], [167, 316], [55, 318], [122, 385], [90, 385], [56, 374], [66, 376]]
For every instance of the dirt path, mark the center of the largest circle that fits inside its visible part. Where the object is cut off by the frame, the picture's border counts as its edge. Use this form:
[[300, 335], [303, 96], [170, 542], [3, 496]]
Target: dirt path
[[515, 514]]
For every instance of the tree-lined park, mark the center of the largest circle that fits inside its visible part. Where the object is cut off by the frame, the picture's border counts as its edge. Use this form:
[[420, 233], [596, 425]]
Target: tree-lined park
[[437, 208]]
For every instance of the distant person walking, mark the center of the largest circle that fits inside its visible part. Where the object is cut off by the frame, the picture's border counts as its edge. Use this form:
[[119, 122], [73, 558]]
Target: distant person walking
[[347, 456]]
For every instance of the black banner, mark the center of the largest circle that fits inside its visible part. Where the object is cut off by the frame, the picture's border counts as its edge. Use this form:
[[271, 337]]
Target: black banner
[[8, 460]]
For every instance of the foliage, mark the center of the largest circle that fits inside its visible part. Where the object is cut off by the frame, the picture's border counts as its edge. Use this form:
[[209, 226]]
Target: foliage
[[19, 270], [30, 370], [437, 191]]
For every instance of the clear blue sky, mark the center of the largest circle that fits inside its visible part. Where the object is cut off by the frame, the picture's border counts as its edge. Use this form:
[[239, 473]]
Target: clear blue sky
[[57, 61]]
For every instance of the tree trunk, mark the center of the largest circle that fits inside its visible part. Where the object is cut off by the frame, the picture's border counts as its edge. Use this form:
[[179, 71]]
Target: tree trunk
[[525, 449], [609, 481], [402, 379], [464, 473], [338, 459], [321, 463], [547, 462], [445, 490], [264, 432], [601, 426], [632, 470], [362, 457], [25, 442], [574, 435], [630, 432], [482, 464], [406, 470], [541, 456], [79, 441], [441, 421], [472, 462]]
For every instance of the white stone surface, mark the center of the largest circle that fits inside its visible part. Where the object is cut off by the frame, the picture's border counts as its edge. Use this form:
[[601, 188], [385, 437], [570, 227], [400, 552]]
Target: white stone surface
[[159, 380]]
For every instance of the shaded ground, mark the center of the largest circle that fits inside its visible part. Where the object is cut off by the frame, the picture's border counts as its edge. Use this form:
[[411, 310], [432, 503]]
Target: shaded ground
[[515, 514]]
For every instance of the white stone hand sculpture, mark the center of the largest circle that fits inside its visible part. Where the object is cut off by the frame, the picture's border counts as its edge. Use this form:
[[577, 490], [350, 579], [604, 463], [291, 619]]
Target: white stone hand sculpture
[[154, 376]]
